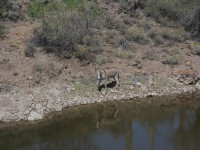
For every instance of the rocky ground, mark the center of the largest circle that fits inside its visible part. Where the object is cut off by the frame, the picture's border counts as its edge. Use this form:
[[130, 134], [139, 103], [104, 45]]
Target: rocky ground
[[31, 88]]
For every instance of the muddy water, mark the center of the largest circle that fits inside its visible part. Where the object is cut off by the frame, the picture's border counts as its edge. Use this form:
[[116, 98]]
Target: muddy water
[[111, 126]]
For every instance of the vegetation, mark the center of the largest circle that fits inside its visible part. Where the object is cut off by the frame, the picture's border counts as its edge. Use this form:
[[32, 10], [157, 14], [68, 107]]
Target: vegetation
[[172, 57], [196, 48], [29, 51], [183, 12], [1, 29], [66, 27], [3, 4]]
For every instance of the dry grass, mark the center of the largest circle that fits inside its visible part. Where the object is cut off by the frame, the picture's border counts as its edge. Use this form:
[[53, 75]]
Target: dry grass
[[123, 54], [136, 34], [161, 35], [172, 57]]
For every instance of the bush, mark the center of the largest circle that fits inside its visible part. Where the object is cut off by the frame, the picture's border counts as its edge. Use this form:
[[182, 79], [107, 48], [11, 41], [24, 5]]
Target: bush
[[66, 26], [124, 54], [183, 12], [137, 34], [151, 55], [2, 29], [36, 9], [63, 29], [3, 4], [196, 48], [29, 51], [101, 59], [125, 44], [172, 58], [175, 35]]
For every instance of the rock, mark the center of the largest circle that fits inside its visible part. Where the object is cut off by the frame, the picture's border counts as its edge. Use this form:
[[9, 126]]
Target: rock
[[153, 94], [112, 91], [197, 86], [189, 80], [131, 88], [187, 77], [34, 116], [136, 83], [30, 78], [103, 92], [188, 63]]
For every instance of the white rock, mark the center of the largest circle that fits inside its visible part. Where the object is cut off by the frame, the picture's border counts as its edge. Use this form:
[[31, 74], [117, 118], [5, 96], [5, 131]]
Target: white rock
[[34, 116], [198, 85]]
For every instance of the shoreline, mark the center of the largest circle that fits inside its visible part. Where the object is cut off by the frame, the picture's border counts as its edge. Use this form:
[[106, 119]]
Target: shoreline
[[39, 102]]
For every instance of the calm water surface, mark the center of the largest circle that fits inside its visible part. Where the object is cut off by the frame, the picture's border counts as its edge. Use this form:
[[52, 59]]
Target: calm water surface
[[111, 126]]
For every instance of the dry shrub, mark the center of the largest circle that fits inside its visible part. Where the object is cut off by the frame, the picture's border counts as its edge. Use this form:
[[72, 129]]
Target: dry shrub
[[196, 48], [124, 54], [151, 55], [30, 50], [172, 58], [175, 35], [137, 34], [186, 13], [101, 59]]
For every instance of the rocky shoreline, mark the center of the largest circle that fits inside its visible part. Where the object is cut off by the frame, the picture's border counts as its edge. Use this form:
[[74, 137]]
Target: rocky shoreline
[[36, 103]]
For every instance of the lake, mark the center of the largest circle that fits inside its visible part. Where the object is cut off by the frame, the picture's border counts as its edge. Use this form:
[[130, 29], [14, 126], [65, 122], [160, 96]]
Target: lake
[[124, 125]]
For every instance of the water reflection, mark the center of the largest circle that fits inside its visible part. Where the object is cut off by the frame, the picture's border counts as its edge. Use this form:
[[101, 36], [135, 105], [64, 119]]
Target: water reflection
[[119, 126]]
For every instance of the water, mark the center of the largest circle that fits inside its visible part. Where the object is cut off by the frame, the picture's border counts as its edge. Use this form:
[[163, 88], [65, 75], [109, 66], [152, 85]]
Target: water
[[111, 126]]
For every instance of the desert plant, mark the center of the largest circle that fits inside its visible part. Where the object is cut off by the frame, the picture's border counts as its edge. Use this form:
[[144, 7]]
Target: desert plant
[[3, 4], [137, 34], [124, 54], [172, 57], [29, 51], [183, 12], [2, 29], [101, 59], [63, 28], [125, 44], [150, 55], [66, 25], [196, 48], [36, 8], [111, 37], [90, 39], [175, 35]]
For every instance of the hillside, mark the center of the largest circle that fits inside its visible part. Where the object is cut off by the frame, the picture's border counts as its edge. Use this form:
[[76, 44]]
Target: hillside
[[38, 77]]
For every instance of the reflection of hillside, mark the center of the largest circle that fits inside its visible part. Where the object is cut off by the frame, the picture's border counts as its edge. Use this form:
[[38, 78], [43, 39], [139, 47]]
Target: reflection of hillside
[[174, 126]]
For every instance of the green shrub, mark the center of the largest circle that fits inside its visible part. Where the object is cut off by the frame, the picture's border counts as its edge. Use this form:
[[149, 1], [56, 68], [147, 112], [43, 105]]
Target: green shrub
[[63, 29], [36, 9], [3, 4]]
